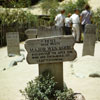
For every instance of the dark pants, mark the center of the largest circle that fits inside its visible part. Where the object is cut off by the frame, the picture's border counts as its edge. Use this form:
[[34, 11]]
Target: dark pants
[[68, 31], [83, 28]]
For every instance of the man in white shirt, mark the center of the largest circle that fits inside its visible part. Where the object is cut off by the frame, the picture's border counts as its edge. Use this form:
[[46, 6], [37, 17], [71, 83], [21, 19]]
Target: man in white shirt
[[76, 25], [60, 19]]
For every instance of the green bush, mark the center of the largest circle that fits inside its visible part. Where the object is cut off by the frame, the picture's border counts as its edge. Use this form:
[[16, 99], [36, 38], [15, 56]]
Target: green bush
[[16, 3], [70, 6], [17, 16], [96, 21], [80, 4], [50, 7], [43, 88]]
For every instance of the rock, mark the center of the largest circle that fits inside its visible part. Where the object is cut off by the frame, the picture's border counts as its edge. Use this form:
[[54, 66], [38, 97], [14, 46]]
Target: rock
[[20, 58], [11, 55], [4, 69], [94, 75], [12, 63], [79, 96]]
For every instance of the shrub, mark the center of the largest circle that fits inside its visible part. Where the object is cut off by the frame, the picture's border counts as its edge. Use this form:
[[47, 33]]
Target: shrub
[[16, 3], [96, 21], [70, 6], [43, 88], [80, 4], [48, 5], [17, 16]]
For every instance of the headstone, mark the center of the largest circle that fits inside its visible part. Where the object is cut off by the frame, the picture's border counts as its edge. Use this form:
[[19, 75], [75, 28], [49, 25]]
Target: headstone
[[89, 40], [13, 43], [50, 49], [49, 31], [55, 68], [49, 53], [31, 33]]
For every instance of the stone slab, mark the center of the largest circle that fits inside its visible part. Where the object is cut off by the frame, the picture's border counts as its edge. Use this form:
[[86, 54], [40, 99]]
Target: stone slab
[[31, 33], [13, 43], [89, 40], [50, 49], [49, 31]]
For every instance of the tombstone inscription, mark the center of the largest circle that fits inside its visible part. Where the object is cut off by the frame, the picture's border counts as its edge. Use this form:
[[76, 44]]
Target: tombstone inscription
[[13, 43], [89, 40], [50, 49]]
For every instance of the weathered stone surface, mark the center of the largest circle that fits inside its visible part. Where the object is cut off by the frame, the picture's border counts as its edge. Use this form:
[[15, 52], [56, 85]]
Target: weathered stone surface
[[31, 33], [56, 70], [50, 49], [89, 40], [49, 31], [13, 43]]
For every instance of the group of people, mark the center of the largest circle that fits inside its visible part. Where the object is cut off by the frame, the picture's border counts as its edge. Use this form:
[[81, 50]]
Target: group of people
[[74, 24]]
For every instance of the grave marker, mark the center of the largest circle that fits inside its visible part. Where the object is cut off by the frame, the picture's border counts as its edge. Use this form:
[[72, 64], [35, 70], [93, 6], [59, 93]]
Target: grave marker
[[13, 43], [31, 33], [49, 31], [50, 49], [50, 52], [89, 40]]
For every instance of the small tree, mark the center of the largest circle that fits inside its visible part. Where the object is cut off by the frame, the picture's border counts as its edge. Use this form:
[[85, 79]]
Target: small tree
[[16, 3], [48, 5], [70, 6], [80, 4]]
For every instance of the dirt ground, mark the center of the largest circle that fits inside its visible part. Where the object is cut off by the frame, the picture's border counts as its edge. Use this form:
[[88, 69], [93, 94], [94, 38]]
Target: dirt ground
[[15, 78]]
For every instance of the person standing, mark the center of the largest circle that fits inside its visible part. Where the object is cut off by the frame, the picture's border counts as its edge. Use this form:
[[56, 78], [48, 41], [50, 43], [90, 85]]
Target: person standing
[[68, 25], [60, 20], [76, 25], [85, 17]]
